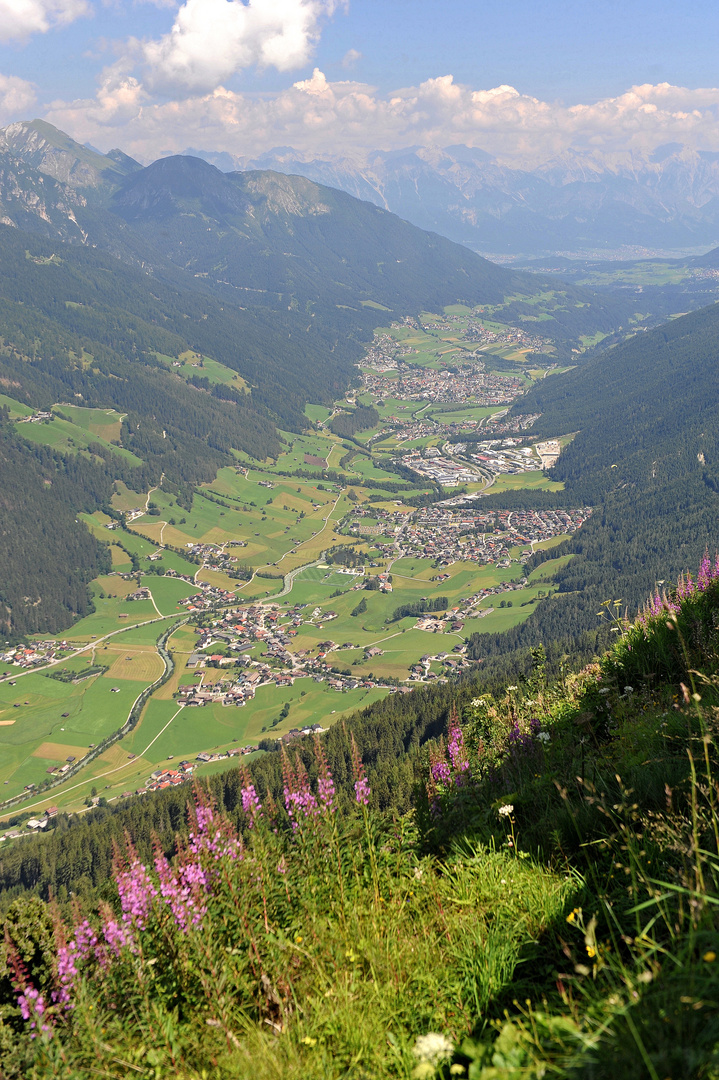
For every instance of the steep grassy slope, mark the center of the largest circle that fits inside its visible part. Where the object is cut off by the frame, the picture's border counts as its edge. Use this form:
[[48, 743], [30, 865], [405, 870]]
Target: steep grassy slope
[[547, 909]]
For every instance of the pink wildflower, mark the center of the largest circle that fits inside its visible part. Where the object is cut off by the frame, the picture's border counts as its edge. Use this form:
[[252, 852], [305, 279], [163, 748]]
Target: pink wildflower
[[361, 785], [325, 781], [251, 805]]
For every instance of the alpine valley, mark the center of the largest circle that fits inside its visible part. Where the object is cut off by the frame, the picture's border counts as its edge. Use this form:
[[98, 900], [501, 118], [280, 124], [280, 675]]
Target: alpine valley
[[286, 478]]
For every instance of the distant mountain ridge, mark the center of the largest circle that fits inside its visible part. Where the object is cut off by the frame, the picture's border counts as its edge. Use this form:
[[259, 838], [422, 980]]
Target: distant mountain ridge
[[269, 239], [575, 202]]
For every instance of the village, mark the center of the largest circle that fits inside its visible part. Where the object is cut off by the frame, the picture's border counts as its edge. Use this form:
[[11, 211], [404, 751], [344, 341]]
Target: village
[[447, 535], [465, 383], [34, 655]]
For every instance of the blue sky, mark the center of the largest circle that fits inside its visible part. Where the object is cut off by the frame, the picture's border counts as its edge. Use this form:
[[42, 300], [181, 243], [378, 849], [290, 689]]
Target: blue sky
[[323, 75]]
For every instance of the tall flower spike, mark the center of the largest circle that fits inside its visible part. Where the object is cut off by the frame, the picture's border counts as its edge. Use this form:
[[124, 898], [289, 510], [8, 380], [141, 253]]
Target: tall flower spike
[[438, 765], [183, 890], [362, 788], [136, 894], [251, 805], [304, 801], [208, 832], [289, 786], [325, 780], [455, 747]]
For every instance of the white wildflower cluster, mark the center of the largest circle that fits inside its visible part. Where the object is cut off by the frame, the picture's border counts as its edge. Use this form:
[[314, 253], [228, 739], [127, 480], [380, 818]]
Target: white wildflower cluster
[[506, 810], [432, 1048], [544, 737], [628, 689], [476, 702], [604, 690]]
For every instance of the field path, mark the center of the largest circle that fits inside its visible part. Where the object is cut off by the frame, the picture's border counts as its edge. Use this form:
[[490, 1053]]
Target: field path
[[110, 772], [90, 645], [290, 579]]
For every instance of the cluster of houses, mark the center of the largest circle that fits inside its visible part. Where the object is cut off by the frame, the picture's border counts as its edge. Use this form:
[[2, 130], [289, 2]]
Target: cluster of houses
[[501, 424], [29, 656], [208, 597], [452, 663], [473, 329], [383, 353], [450, 534], [465, 383], [40, 417], [214, 556]]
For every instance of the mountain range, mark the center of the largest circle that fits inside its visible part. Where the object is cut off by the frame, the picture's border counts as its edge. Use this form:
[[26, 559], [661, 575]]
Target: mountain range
[[578, 203]]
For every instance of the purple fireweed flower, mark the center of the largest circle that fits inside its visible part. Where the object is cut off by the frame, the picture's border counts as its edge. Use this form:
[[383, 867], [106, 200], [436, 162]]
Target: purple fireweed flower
[[289, 787], [361, 784], [117, 936], [85, 940], [32, 1009], [136, 894], [440, 771], [303, 801], [251, 805], [325, 781], [300, 803], [182, 891], [520, 742], [67, 975], [455, 746], [210, 834], [362, 791], [69, 955]]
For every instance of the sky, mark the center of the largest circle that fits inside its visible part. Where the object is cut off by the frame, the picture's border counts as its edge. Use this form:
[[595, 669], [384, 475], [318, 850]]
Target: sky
[[525, 80]]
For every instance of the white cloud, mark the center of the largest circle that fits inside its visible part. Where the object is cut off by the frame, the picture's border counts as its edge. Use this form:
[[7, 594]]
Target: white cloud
[[16, 96], [350, 58], [212, 39], [20, 18], [319, 117]]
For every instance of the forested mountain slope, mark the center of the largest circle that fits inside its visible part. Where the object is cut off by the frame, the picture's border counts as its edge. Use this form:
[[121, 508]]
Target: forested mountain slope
[[267, 234], [646, 455], [265, 238]]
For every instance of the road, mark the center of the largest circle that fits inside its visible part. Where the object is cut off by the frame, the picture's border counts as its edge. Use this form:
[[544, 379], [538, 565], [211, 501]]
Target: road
[[290, 579], [90, 645], [101, 776]]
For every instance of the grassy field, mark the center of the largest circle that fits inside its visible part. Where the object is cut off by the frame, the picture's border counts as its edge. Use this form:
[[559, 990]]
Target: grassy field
[[39, 736], [189, 364], [536, 481], [165, 734]]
